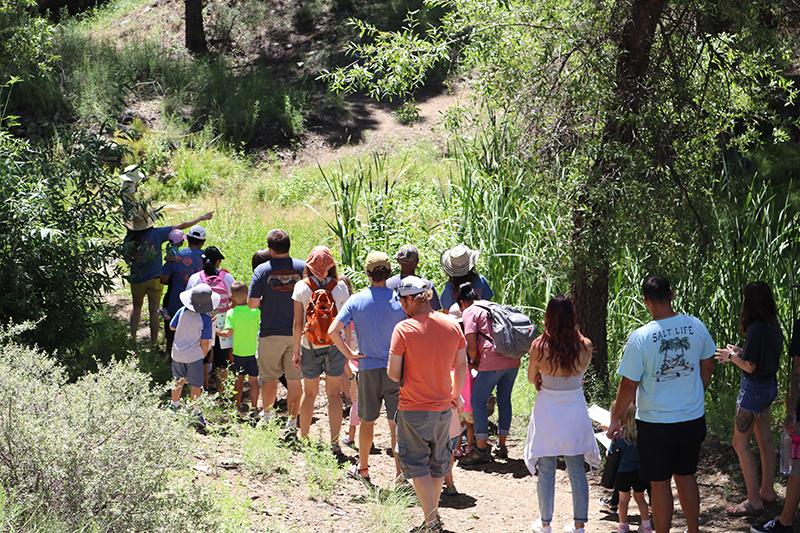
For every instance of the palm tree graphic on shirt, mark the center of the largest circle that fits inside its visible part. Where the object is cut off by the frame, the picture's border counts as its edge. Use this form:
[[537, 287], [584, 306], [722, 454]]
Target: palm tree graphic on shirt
[[675, 364]]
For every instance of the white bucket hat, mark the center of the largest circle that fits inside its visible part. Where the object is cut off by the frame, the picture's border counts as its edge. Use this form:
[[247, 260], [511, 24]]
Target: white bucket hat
[[459, 260], [200, 298]]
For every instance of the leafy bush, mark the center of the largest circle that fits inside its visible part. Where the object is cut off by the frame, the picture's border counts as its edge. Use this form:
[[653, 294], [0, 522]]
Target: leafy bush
[[263, 452], [96, 454], [407, 113], [26, 48], [59, 233], [323, 471]]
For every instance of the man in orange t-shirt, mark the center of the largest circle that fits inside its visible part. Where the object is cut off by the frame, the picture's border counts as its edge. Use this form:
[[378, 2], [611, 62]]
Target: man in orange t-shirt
[[424, 350]]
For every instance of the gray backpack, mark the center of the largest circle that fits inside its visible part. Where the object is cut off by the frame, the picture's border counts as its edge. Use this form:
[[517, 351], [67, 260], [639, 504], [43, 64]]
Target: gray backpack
[[512, 330]]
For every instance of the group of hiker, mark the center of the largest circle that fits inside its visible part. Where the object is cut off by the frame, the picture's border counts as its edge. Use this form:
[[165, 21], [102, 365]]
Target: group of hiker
[[433, 363]]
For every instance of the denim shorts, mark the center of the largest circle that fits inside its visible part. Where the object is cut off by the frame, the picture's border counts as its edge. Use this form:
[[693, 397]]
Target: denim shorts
[[756, 396], [191, 372]]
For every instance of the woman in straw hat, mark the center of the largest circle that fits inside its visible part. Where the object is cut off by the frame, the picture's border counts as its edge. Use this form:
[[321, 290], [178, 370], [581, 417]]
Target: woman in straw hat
[[142, 247], [459, 264]]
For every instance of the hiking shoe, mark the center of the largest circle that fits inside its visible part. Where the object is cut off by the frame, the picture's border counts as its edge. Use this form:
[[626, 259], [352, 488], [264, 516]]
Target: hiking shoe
[[537, 527], [349, 443], [607, 504], [773, 526], [570, 528], [201, 421], [476, 457], [646, 527], [450, 491], [264, 417], [624, 528], [501, 452]]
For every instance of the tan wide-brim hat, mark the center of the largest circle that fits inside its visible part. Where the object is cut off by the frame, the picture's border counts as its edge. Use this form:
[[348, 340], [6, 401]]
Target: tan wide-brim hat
[[459, 260], [141, 221]]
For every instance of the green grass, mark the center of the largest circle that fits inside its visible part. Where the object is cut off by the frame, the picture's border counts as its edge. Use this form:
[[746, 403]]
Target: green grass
[[387, 510], [323, 472], [263, 452]]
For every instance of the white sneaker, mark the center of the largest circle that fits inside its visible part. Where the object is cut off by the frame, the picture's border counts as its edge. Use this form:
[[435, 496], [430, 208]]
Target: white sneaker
[[537, 527], [570, 528], [264, 417]]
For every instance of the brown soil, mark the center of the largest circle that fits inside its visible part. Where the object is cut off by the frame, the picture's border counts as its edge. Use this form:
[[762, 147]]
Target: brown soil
[[497, 497]]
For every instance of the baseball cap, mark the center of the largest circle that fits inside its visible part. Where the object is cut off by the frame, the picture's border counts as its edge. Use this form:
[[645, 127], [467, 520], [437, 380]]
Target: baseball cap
[[176, 236], [376, 260], [407, 254], [213, 254], [412, 285], [197, 232]]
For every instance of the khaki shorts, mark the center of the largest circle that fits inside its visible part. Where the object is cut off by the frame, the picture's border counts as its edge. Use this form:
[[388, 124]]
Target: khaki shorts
[[275, 358], [151, 288], [468, 417]]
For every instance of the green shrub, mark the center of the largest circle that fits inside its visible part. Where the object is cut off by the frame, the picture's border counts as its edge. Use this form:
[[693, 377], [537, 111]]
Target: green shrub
[[263, 452], [407, 113], [96, 454], [59, 232], [323, 471], [387, 510]]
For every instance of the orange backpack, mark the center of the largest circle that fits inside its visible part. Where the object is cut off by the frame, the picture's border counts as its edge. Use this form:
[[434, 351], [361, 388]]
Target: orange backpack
[[320, 312]]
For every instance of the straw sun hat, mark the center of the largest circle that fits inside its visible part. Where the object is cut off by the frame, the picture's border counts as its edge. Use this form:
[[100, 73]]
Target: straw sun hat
[[459, 260]]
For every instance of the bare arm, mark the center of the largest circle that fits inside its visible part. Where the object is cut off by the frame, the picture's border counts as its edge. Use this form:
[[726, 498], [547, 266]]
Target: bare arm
[[534, 374], [459, 377], [335, 333], [626, 393], [395, 367], [254, 303], [204, 345], [793, 397], [190, 223], [472, 347], [297, 331], [706, 371]]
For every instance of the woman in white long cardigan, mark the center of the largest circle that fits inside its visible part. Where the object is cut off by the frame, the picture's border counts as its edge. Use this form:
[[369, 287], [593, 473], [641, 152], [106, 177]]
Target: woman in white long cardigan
[[560, 424]]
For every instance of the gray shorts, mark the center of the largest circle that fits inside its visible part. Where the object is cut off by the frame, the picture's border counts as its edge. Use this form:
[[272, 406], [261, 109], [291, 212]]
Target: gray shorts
[[315, 361], [375, 386], [423, 443], [191, 372]]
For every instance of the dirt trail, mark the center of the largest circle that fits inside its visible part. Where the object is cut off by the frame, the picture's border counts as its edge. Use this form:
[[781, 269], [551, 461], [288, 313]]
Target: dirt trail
[[497, 497], [366, 126]]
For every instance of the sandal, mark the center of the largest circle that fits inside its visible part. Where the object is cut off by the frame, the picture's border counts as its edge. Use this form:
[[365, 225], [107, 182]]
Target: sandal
[[744, 509], [356, 473]]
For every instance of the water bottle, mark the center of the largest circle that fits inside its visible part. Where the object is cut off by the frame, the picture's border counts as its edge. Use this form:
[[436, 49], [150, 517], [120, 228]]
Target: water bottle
[[786, 453]]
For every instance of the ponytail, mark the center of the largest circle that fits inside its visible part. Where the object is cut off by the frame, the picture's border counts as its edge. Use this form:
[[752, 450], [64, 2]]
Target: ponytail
[[466, 293], [209, 267]]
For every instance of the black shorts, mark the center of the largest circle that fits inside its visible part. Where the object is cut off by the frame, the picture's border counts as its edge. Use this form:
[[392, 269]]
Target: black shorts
[[630, 480], [245, 365], [220, 355], [669, 449]]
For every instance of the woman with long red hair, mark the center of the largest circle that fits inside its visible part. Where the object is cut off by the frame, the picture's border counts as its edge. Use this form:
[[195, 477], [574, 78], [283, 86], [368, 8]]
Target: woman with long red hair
[[560, 424]]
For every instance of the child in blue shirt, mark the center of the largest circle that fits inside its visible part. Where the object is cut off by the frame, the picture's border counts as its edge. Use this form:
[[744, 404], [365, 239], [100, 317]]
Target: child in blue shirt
[[628, 474]]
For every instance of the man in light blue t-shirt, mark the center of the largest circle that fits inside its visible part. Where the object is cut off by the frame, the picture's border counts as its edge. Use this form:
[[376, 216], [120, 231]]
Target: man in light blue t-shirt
[[374, 311], [667, 365]]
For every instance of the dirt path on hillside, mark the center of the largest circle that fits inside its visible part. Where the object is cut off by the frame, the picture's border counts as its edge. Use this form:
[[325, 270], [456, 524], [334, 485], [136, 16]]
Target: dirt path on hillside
[[497, 497], [365, 125]]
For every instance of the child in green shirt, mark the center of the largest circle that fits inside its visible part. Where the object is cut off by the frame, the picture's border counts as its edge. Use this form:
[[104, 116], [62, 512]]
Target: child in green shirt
[[243, 324]]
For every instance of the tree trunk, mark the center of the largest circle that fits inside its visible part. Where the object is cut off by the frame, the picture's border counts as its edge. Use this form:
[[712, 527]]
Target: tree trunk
[[195, 33], [593, 211]]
